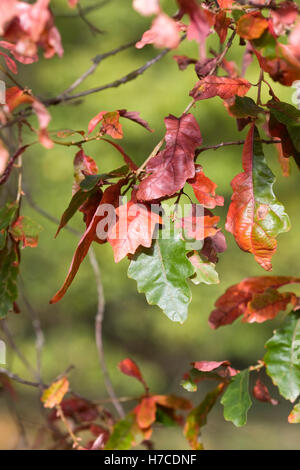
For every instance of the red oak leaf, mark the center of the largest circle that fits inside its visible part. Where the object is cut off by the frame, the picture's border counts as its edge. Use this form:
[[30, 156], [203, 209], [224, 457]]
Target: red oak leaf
[[129, 367], [224, 87], [16, 97], [10, 63], [221, 25], [204, 189], [214, 245], [171, 167], [261, 393], [255, 217], [29, 26], [183, 61], [252, 25], [200, 22], [135, 117], [134, 227], [242, 299], [126, 157], [285, 68], [164, 32], [110, 197], [208, 366], [19, 57], [83, 165]]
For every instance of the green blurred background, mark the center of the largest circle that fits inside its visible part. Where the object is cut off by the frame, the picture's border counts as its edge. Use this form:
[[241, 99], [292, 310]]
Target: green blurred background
[[132, 328]]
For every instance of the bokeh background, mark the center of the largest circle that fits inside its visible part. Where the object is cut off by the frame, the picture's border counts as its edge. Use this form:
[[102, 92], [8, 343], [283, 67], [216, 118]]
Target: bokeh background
[[132, 328]]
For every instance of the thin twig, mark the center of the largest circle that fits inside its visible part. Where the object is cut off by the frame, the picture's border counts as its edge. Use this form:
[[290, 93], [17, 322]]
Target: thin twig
[[120, 81], [99, 337], [40, 339], [96, 61], [18, 379], [237, 142], [91, 26]]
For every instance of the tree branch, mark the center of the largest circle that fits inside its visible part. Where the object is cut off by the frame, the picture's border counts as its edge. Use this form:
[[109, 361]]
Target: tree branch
[[115, 84], [99, 337]]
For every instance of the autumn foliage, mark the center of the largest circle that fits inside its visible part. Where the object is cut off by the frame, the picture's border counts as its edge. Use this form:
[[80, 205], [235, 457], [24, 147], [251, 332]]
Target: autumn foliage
[[164, 264]]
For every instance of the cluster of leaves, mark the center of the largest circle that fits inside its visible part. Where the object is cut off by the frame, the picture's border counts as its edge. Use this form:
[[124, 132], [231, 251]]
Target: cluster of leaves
[[281, 364], [167, 251]]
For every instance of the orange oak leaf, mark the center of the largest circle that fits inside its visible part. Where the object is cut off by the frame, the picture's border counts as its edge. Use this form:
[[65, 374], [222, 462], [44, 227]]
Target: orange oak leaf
[[146, 412], [134, 227], [224, 87], [225, 3], [266, 305], [255, 217], [110, 124], [251, 25], [171, 167], [54, 394], [250, 298], [199, 228], [204, 189], [173, 402]]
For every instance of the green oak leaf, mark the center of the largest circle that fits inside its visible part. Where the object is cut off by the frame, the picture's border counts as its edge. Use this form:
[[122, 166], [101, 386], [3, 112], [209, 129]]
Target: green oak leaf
[[290, 117], [283, 357], [236, 399], [204, 271], [125, 434], [244, 107], [161, 273], [28, 229], [90, 181], [197, 418], [7, 214]]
